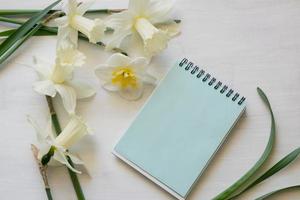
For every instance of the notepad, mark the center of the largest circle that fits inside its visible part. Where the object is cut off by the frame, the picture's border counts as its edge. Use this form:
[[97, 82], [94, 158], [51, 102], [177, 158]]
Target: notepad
[[180, 128]]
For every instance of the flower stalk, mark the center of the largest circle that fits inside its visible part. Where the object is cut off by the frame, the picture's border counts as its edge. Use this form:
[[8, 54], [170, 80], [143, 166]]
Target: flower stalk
[[43, 171], [57, 127]]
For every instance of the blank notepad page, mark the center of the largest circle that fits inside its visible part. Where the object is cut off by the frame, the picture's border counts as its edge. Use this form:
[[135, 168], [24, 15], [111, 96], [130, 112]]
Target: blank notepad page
[[180, 128]]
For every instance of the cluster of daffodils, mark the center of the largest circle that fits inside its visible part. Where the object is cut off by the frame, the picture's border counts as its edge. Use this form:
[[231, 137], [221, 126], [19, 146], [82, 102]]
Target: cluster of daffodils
[[145, 26]]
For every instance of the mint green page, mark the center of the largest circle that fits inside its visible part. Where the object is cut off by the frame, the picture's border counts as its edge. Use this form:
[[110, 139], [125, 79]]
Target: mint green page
[[179, 129]]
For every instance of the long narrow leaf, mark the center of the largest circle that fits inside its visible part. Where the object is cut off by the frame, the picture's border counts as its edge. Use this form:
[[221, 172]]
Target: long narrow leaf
[[20, 22], [10, 20], [271, 194], [17, 44], [7, 33], [20, 12], [273, 170], [246, 177], [40, 32], [21, 32]]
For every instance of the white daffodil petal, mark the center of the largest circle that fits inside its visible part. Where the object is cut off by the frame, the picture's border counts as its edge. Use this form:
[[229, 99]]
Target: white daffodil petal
[[42, 68], [72, 133], [135, 46], [118, 60], [117, 38], [157, 43], [139, 63], [70, 6], [132, 94], [93, 29], [123, 20], [68, 96], [73, 36], [84, 6], [45, 88], [104, 73], [40, 133], [159, 11], [82, 89], [170, 27], [149, 79], [67, 34], [61, 21], [110, 87], [60, 73], [60, 157], [138, 6], [75, 159], [70, 56], [154, 39]]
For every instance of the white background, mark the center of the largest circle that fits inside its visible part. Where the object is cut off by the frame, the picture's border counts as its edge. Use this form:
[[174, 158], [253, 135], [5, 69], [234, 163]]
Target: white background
[[248, 43]]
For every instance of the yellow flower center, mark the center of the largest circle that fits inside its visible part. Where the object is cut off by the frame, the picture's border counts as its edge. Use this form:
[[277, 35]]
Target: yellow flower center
[[124, 77]]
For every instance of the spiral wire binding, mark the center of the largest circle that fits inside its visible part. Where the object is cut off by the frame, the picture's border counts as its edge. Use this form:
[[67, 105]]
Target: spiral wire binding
[[206, 77]]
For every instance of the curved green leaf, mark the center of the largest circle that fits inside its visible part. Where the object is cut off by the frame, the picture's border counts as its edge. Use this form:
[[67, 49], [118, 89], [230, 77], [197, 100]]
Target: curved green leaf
[[273, 170], [26, 30], [266, 196], [246, 177]]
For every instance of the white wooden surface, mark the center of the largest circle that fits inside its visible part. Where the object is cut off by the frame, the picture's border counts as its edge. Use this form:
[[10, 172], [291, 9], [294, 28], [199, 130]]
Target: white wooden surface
[[249, 43]]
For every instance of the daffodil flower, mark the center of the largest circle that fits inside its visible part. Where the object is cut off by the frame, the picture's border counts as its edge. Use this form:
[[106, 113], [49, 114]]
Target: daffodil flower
[[68, 55], [75, 130], [125, 75], [146, 24], [74, 21], [57, 78]]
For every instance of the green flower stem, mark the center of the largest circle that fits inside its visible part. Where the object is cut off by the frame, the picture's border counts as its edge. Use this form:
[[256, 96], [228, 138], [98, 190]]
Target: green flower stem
[[47, 157], [48, 192], [57, 127]]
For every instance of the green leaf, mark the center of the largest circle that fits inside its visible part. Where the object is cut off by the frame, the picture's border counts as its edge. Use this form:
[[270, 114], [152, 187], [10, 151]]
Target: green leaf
[[26, 29], [246, 177], [17, 44], [26, 12], [271, 194], [7, 33], [285, 161], [40, 32], [10, 20], [14, 12]]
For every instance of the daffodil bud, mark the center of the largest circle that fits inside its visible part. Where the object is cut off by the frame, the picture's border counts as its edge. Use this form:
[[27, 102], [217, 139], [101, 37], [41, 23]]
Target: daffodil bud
[[72, 133], [93, 29]]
